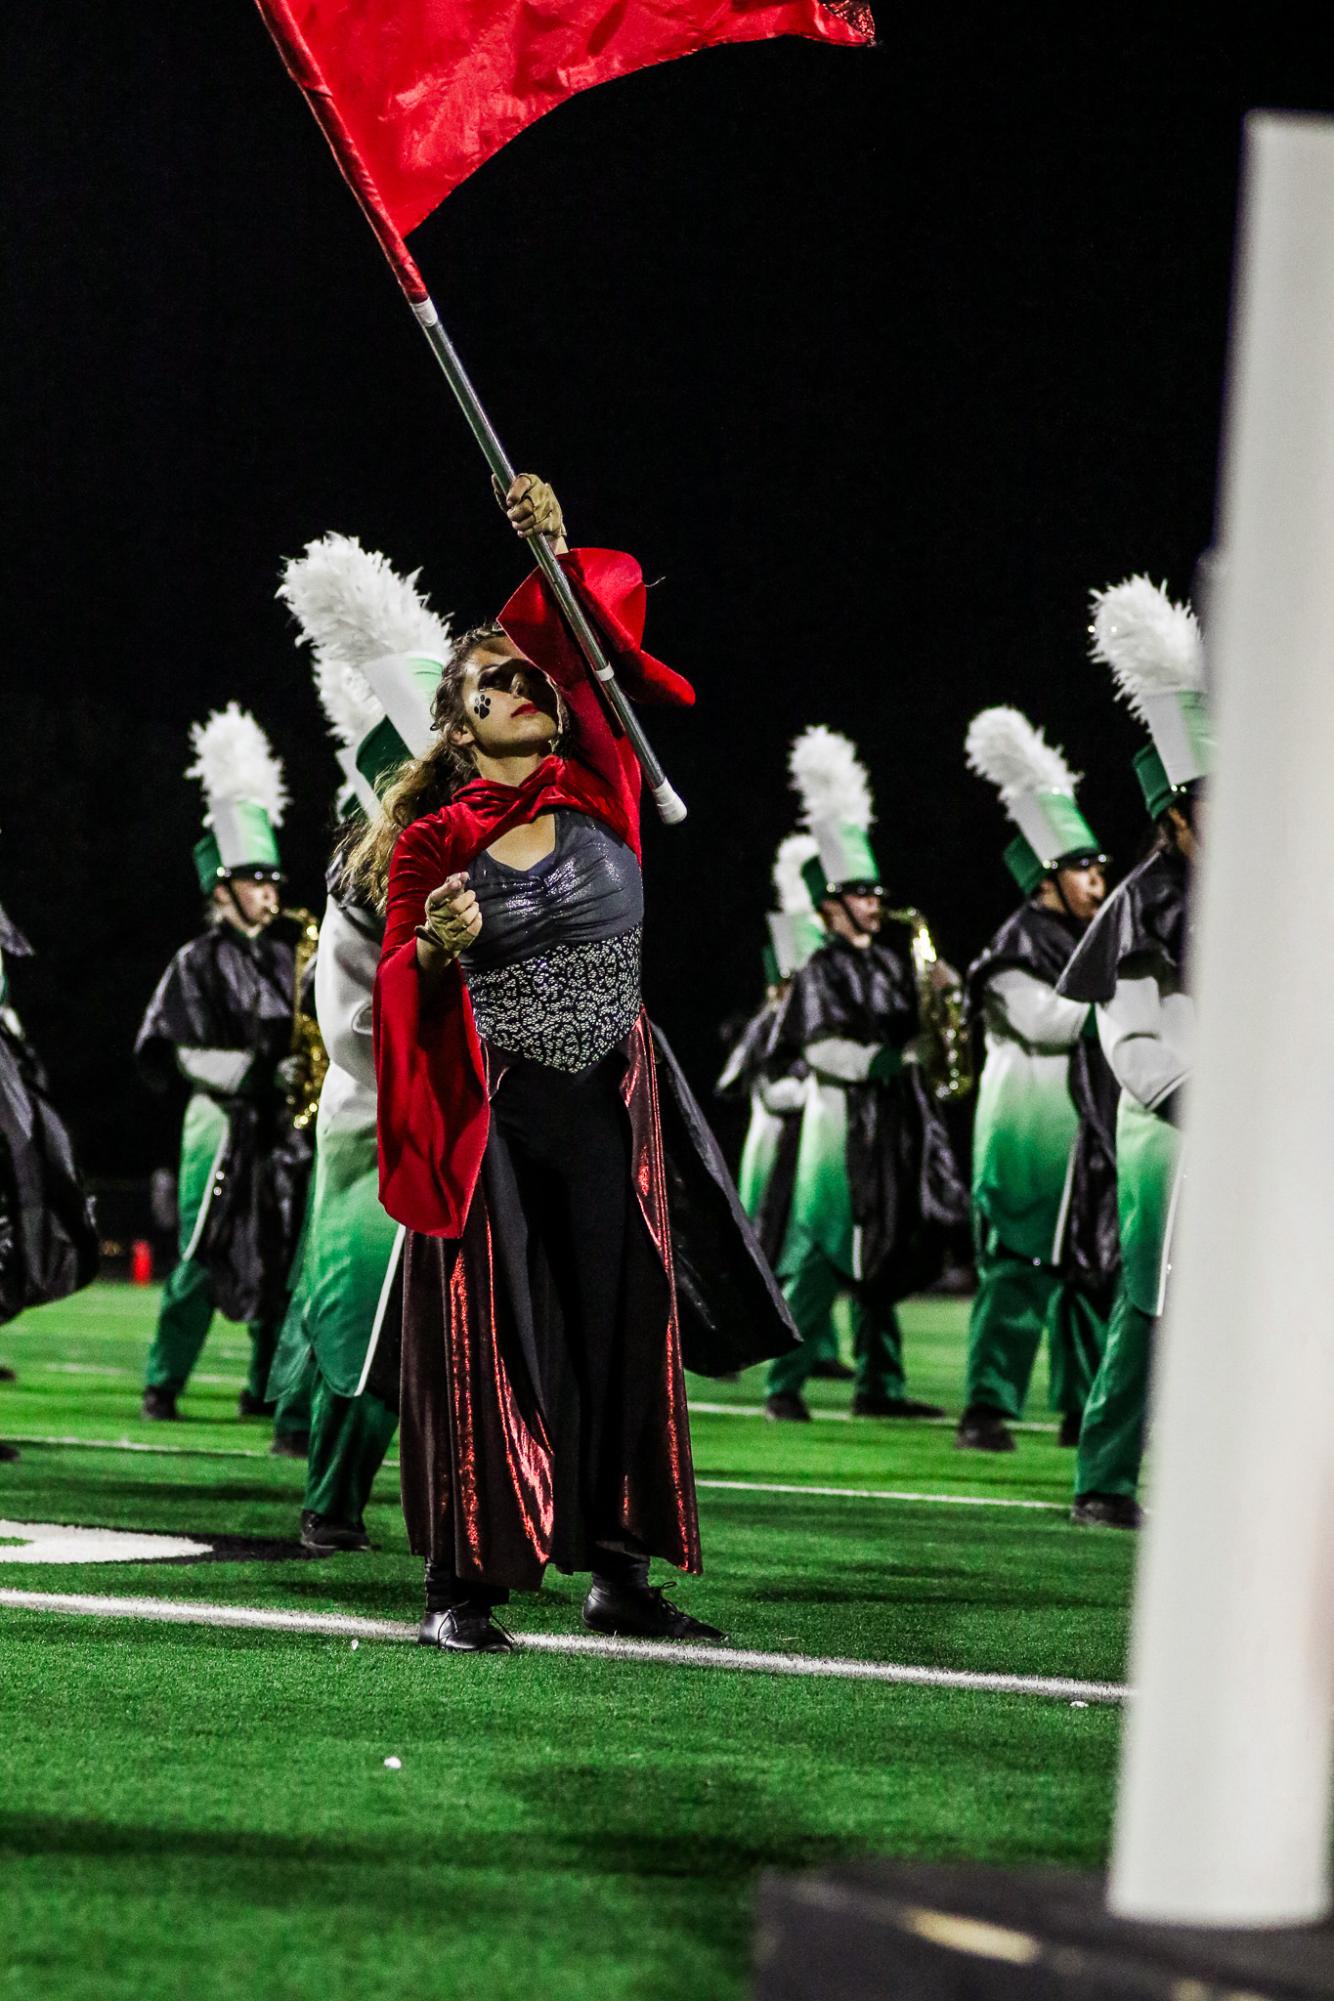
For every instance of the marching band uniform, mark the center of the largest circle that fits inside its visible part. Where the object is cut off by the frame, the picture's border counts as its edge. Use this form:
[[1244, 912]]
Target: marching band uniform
[[48, 1241], [767, 1171], [1038, 1162], [531, 1122], [1133, 966], [876, 1196], [222, 1018], [378, 651]]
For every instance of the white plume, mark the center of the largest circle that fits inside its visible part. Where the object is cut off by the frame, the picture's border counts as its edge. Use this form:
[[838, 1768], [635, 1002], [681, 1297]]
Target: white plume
[[352, 606], [1003, 746], [830, 779], [793, 855], [234, 760], [1152, 645]]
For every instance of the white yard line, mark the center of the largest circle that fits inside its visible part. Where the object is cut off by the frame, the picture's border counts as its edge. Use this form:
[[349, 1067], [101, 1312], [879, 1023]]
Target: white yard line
[[721, 1486], [663, 1653]]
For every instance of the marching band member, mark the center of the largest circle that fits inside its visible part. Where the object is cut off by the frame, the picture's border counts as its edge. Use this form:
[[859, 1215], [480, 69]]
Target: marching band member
[[1133, 965], [378, 651], [1037, 1164], [222, 1017], [876, 1196], [48, 1239]]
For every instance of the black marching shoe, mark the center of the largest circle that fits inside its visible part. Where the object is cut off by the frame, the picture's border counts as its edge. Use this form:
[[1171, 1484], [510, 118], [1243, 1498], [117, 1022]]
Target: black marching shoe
[[1106, 1511], [787, 1408], [1071, 1426], [8, 1453], [983, 1429], [464, 1629], [833, 1371], [874, 1406], [323, 1537], [159, 1405], [249, 1405], [290, 1445], [8, 1375], [641, 1612]]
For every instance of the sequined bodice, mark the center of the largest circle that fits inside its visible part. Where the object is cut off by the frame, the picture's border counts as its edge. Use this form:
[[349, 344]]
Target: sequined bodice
[[555, 972]]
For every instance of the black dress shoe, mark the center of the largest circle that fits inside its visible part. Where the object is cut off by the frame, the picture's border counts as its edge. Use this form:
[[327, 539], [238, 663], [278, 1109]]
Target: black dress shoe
[[833, 1371], [1106, 1511], [290, 1445], [872, 1406], [787, 1408], [464, 1629], [984, 1430], [8, 1453], [160, 1405], [641, 1612], [1071, 1426], [249, 1405], [326, 1538]]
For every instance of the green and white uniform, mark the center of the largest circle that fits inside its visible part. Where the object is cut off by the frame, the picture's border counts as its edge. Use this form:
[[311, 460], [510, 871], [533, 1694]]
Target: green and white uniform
[[346, 1292], [1027, 1172], [1132, 965], [378, 652]]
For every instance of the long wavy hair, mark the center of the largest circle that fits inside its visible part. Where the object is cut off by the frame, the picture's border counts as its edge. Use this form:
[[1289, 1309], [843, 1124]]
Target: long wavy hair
[[424, 784]]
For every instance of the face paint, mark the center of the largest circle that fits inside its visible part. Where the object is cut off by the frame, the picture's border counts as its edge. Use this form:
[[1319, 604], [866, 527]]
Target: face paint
[[481, 707]]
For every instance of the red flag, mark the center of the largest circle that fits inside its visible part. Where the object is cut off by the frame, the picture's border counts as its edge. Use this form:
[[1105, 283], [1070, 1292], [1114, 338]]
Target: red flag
[[426, 90]]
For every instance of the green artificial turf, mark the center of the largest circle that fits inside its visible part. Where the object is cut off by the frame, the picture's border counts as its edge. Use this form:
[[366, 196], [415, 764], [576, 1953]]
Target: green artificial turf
[[191, 1810]]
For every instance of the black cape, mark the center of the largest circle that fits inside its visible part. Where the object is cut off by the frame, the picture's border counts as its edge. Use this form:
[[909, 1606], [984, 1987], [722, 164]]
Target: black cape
[[1042, 942], [732, 1312], [48, 1242], [1148, 915], [226, 991], [907, 1193]]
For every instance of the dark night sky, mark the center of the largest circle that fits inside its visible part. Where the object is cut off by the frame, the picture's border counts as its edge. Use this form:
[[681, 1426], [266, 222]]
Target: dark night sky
[[880, 360]]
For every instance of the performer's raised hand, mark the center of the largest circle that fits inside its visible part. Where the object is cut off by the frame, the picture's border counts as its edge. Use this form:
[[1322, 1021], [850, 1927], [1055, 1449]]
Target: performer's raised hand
[[453, 916], [532, 508]]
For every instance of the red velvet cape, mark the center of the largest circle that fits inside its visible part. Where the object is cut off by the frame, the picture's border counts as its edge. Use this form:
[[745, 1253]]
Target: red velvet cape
[[433, 1113]]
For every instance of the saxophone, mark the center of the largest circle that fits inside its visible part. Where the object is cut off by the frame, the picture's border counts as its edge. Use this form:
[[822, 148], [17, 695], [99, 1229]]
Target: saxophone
[[307, 1041], [947, 1065]]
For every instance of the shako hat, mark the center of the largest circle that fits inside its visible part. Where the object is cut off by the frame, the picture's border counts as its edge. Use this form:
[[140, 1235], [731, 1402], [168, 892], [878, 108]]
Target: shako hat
[[245, 798], [836, 809], [1037, 790], [1156, 653], [378, 651]]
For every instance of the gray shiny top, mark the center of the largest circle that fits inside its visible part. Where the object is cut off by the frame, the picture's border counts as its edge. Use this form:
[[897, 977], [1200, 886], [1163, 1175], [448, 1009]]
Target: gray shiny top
[[587, 889]]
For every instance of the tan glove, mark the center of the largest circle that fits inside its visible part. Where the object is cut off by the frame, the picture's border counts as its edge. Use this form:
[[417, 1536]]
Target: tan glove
[[453, 916], [531, 507]]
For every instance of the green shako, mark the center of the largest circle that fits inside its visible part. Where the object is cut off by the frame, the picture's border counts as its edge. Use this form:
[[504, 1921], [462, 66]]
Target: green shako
[[378, 652], [245, 798], [1037, 789], [1155, 650]]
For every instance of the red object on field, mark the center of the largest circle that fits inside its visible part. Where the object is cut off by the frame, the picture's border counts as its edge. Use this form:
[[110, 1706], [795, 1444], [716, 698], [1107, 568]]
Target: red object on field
[[413, 95], [141, 1262]]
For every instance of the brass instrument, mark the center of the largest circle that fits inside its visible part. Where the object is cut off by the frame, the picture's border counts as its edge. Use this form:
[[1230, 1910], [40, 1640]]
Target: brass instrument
[[947, 1065], [307, 1042]]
